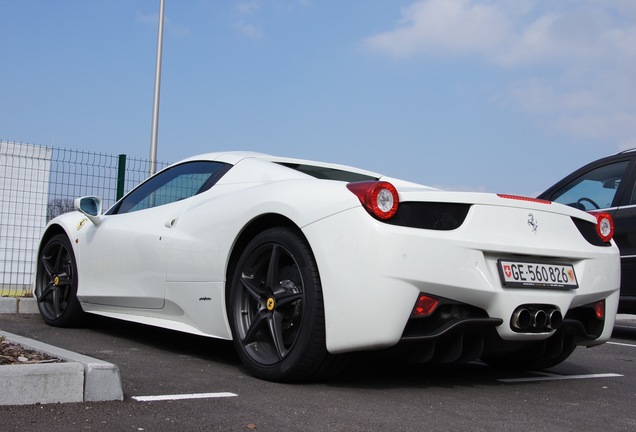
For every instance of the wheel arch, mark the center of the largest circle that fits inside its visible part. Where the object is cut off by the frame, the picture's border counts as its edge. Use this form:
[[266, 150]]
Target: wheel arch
[[51, 230], [308, 357], [249, 231]]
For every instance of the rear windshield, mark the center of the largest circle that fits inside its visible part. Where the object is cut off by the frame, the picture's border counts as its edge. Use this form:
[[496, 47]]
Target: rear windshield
[[325, 173]]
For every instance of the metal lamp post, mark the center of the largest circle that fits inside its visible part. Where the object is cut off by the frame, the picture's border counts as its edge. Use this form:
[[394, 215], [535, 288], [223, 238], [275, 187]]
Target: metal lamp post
[[155, 105]]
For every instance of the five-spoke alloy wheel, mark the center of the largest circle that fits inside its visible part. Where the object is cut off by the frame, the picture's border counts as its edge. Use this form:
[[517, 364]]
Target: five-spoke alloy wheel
[[275, 308], [56, 283]]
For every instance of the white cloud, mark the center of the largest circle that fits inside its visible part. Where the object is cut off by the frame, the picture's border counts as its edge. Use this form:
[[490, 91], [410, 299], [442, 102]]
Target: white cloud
[[170, 27], [584, 35], [248, 7], [250, 14], [443, 25], [510, 33], [576, 58], [250, 30]]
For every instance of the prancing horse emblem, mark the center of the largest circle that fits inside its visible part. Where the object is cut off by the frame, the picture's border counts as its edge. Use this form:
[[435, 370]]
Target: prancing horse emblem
[[533, 222], [271, 303]]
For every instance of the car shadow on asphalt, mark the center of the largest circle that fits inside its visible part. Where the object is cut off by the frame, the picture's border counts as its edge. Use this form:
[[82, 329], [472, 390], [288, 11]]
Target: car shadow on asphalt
[[363, 370], [129, 344], [624, 332], [162, 339]]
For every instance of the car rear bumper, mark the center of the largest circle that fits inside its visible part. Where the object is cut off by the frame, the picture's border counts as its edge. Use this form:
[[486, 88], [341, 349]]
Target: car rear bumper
[[372, 274]]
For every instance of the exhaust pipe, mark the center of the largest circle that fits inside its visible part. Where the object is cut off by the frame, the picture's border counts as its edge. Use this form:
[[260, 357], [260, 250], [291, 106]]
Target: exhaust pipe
[[521, 319], [539, 319], [554, 319], [536, 319]]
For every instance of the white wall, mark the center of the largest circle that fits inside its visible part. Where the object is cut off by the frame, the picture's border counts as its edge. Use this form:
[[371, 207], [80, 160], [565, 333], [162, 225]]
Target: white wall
[[24, 189]]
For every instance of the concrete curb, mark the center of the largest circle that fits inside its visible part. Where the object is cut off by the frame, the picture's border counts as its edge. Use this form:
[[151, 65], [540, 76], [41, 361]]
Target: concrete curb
[[79, 379], [18, 305]]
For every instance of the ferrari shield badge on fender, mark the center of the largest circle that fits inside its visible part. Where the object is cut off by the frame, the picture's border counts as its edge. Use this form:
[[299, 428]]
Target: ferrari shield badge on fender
[[81, 224]]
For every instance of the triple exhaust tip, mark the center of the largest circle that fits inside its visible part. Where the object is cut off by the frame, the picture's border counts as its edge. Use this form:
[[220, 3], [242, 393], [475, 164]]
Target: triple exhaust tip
[[536, 319]]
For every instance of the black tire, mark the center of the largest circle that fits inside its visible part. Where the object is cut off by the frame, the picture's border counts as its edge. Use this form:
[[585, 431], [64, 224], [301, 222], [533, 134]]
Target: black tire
[[276, 311], [538, 356], [56, 283]]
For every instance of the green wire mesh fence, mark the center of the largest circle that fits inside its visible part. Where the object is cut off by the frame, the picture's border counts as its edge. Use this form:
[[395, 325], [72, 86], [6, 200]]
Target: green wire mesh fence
[[38, 183]]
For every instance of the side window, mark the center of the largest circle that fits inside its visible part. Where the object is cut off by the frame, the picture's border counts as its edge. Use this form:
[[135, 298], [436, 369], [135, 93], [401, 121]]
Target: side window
[[174, 184], [593, 190]]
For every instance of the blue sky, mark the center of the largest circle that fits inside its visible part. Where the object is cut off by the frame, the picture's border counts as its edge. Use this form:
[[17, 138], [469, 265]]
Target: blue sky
[[497, 96]]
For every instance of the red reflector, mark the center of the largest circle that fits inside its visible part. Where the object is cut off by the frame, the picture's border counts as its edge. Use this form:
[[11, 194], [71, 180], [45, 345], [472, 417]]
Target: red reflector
[[599, 308], [522, 198], [424, 306]]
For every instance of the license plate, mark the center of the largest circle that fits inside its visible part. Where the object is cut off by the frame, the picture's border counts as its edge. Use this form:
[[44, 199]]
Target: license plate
[[536, 275]]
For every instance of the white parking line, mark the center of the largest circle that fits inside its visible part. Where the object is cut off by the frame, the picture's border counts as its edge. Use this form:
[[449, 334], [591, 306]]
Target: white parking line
[[621, 344], [183, 396], [554, 377]]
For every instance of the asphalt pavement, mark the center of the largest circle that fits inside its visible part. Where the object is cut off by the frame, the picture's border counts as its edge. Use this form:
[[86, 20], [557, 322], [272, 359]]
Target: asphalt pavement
[[175, 381]]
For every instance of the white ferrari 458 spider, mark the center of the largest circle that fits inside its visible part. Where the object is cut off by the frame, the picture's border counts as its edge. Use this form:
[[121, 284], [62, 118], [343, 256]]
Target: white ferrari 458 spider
[[301, 262]]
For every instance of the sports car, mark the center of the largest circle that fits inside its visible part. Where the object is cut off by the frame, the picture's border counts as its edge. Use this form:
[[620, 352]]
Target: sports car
[[607, 185], [300, 263]]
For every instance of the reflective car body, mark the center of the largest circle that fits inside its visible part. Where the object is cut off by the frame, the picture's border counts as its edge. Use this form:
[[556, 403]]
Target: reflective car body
[[287, 258], [608, 185]]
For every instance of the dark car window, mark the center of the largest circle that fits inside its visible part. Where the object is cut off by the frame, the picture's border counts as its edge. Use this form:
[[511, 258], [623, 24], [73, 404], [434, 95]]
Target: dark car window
[[593, 190], [632, 200], [174, 184], [325, 173]]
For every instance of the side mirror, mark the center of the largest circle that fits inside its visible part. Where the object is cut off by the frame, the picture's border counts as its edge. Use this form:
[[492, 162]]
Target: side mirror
[[91, 207]]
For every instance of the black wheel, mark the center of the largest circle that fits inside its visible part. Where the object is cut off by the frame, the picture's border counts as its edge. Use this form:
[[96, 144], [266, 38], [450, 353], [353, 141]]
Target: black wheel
[[538, 356], [56, 283], [276, 311]]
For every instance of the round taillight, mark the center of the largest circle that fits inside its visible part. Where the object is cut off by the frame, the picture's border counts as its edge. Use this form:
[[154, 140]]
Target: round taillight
[[604, 226], [379, 198]]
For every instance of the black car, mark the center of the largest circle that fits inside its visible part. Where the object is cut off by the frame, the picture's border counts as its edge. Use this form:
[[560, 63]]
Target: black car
[[608, 185]]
